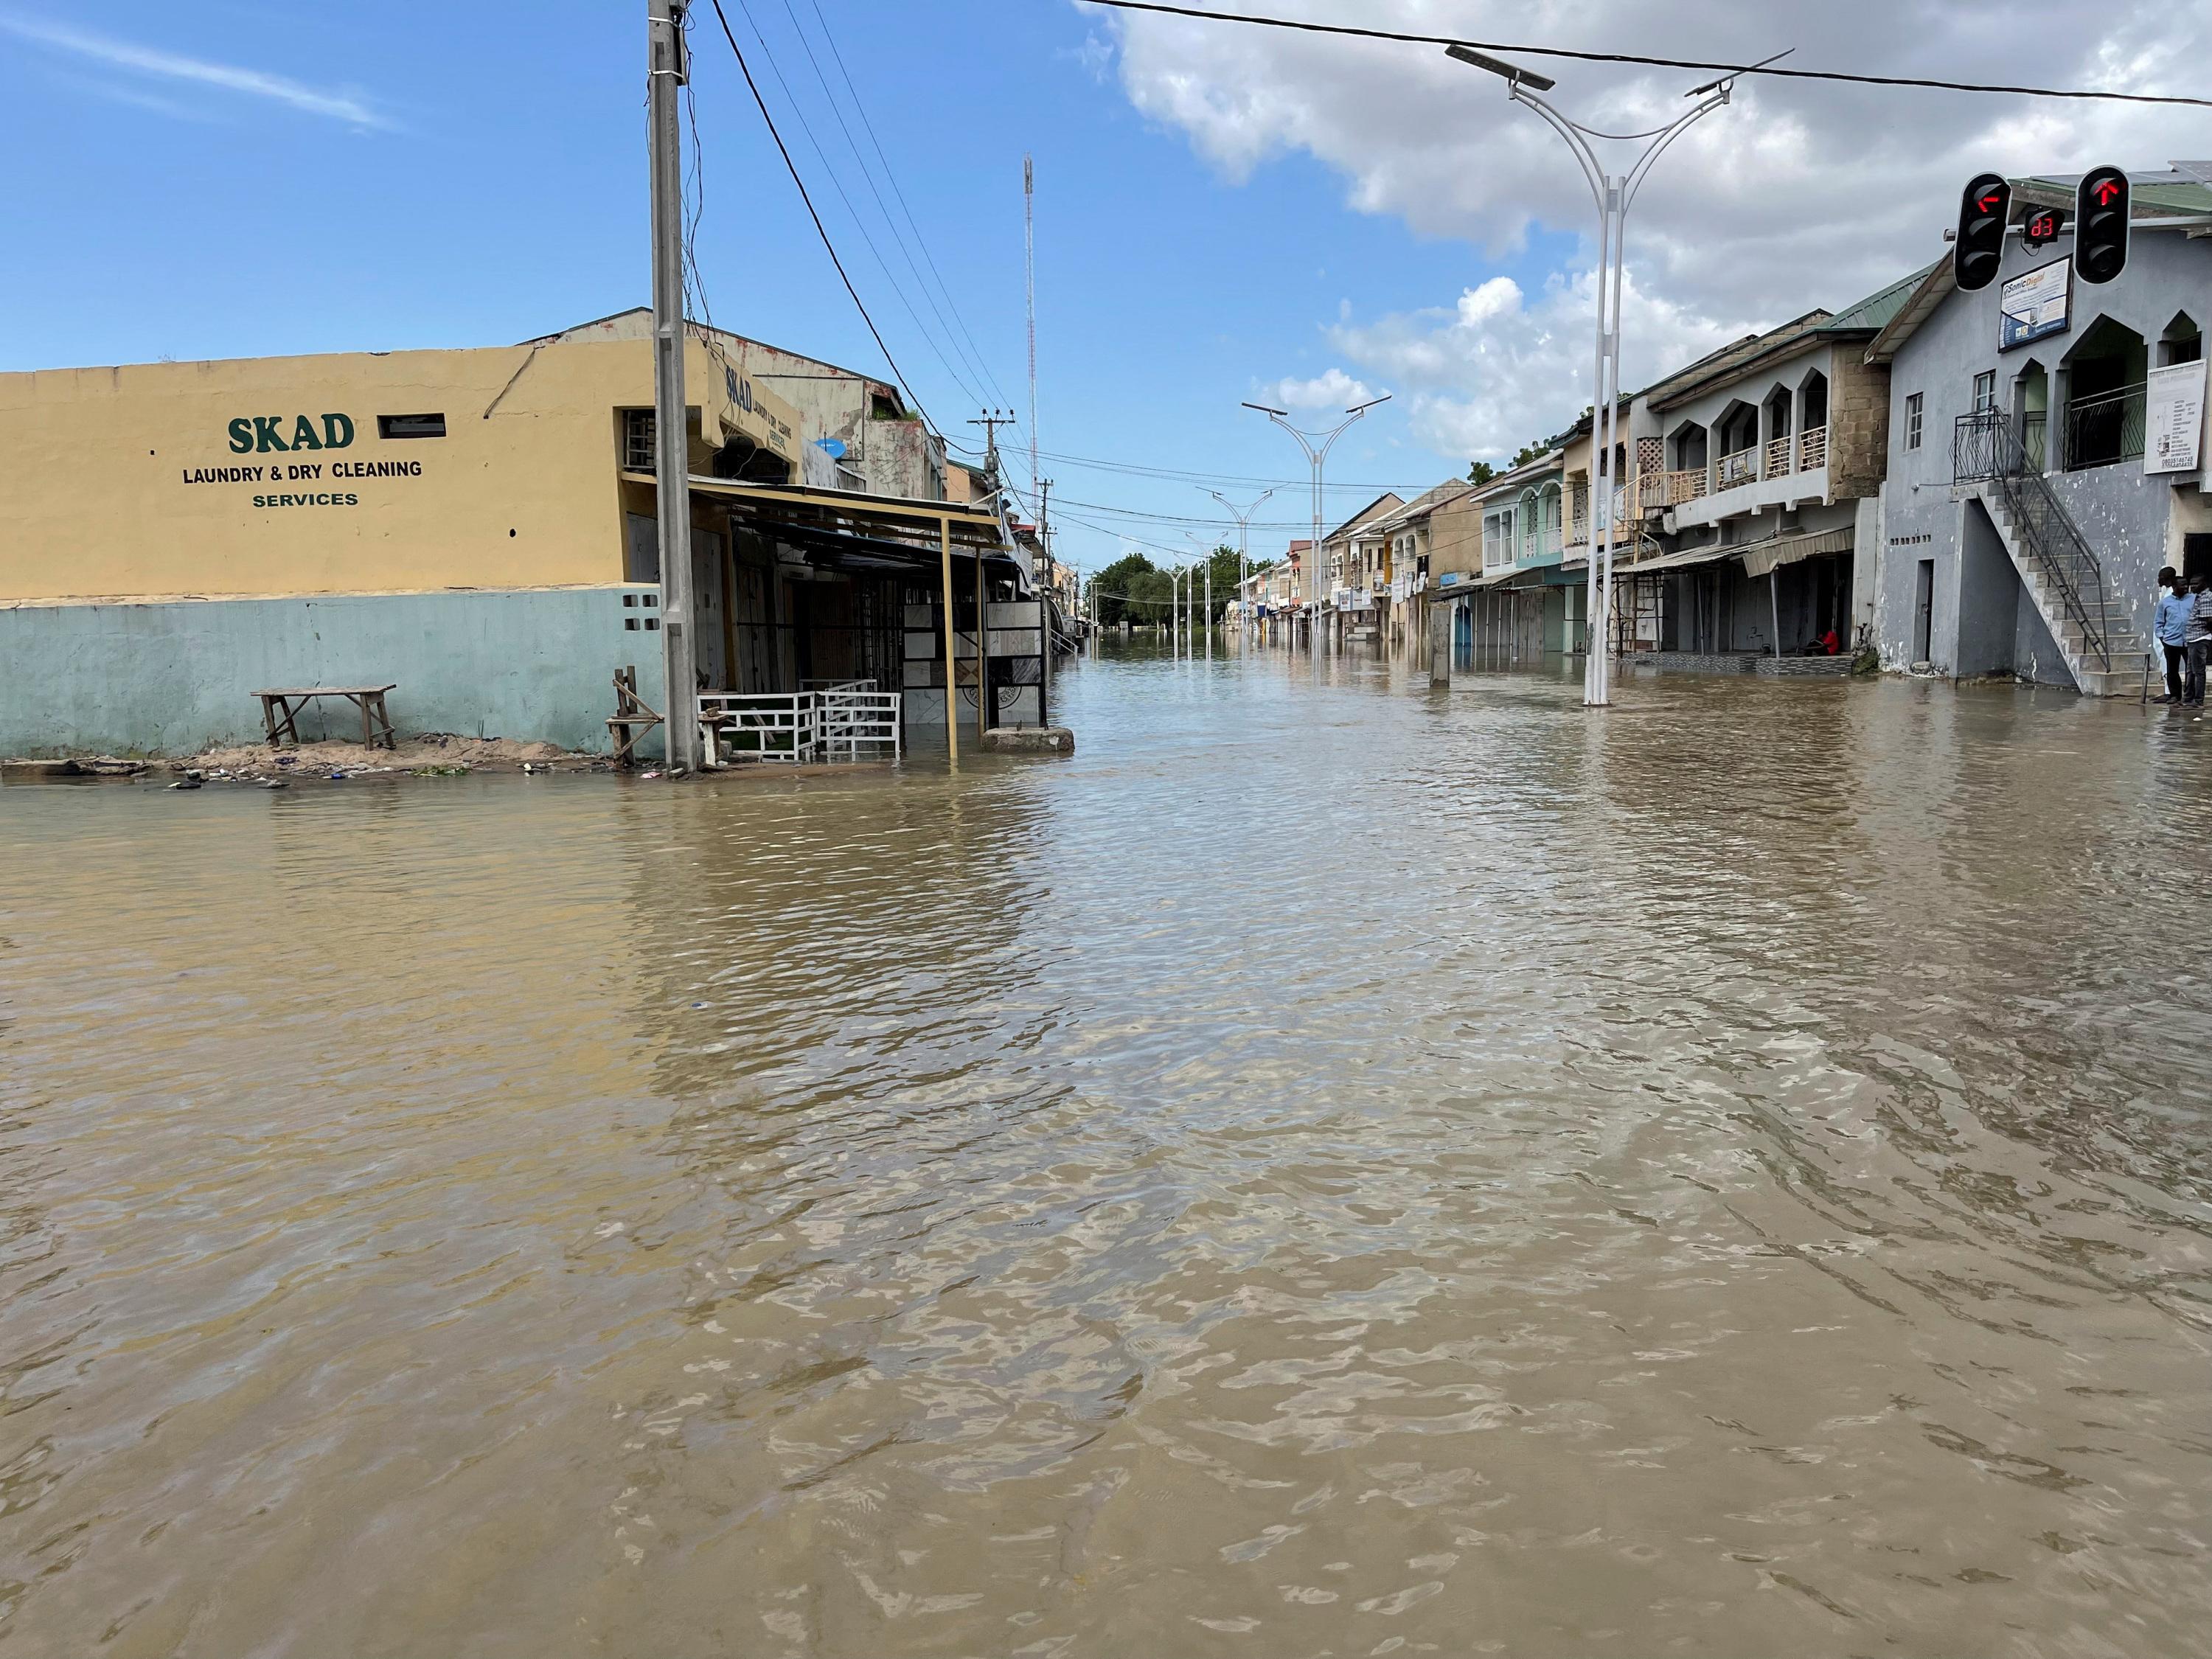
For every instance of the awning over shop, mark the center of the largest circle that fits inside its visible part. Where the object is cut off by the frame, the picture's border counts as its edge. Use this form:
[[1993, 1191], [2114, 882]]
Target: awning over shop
[[1759, 558], [1695, 555], [1762, 558], [841, 529]]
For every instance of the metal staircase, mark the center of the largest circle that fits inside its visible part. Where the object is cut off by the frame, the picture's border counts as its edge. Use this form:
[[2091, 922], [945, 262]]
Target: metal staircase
[[2093, 625]]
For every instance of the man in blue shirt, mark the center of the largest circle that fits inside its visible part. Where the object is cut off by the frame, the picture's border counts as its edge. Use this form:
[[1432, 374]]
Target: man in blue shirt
[[2171, 625]]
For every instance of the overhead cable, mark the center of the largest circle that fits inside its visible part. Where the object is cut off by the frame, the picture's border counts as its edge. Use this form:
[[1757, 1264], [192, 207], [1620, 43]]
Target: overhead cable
[[898, 288], [836, 110], [784, 150], [975, 353], [1643, 60]]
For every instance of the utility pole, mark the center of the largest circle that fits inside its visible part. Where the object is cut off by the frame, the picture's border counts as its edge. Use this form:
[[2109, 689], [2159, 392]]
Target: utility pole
[[668, 69], [991, 419], [1048, 601]]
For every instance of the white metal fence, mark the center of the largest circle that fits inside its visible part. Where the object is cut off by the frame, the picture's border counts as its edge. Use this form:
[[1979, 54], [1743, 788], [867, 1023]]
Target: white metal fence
[[858, 717], [839, 718]]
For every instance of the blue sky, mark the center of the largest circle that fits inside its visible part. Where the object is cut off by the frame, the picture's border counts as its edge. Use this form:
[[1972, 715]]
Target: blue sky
[[490, 186], [1220, 209]]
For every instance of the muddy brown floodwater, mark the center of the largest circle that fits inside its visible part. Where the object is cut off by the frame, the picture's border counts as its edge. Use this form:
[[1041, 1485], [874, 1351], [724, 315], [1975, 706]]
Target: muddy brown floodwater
[[1334, 1169]]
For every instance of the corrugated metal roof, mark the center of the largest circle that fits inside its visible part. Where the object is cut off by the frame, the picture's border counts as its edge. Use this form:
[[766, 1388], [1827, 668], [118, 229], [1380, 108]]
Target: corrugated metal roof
[[2161, 192], [1872, 314], [1730, 360]]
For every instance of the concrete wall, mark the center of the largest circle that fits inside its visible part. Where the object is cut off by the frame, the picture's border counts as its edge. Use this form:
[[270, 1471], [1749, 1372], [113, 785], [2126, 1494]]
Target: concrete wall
[[2130, 519], [1988, 598], [178, 677], [1858, 423]]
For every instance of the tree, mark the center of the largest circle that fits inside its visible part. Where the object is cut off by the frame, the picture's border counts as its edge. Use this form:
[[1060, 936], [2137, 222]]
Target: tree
[[1225, 575], [1116, 584], [1481, 472], [1148, 595], [1531, 452]]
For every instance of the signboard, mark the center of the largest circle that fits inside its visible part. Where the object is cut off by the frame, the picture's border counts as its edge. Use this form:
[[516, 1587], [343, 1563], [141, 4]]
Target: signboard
[[2033, 304], [2173, 418]]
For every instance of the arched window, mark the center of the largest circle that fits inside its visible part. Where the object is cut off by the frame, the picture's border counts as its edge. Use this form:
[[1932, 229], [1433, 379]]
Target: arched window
[[2105, 372], [2183, 342]]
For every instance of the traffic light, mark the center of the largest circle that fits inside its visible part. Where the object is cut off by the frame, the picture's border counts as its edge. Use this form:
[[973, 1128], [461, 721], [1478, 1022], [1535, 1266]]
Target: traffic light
[[1979, 249], [2101, 225]]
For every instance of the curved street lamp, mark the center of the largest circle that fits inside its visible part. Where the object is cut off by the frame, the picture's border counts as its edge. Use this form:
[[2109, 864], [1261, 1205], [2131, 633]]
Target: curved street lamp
[[1319, 457], [1244, 542], [1614, 194]]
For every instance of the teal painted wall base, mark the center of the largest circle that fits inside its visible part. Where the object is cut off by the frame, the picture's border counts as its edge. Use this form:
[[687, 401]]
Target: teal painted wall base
[[179, 677]]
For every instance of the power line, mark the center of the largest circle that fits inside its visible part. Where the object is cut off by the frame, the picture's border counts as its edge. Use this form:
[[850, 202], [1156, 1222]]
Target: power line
[[898, 288], [974, 354], [1192, 519], [1651, 63], [1140, 470], [784, 150], [883, 207]]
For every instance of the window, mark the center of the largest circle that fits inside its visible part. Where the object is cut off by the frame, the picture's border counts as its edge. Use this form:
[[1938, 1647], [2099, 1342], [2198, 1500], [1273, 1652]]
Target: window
[[1985, 390], [410, 425], [1914, 411], [638, 441]]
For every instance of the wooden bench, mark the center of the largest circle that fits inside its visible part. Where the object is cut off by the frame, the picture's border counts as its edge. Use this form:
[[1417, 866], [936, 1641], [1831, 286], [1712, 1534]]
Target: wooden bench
[[281, 710]]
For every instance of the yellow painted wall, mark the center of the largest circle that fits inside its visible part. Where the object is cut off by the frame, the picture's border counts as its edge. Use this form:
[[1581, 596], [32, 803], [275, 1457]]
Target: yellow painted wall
[[98, 471]]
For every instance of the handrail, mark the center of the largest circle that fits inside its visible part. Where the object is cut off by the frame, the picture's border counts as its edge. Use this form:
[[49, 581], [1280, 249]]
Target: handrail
[[1987, 448]]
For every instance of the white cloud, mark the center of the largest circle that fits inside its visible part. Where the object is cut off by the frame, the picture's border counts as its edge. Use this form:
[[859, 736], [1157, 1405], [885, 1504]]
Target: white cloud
[[1498, 370], [1800, 194], [331, 105], [1333, 390]]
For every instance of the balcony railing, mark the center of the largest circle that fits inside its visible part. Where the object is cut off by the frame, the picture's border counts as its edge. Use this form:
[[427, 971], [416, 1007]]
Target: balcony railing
[[1741, 467], [2103, 430], [1778, 453], [1673, 489], [1812, 449]]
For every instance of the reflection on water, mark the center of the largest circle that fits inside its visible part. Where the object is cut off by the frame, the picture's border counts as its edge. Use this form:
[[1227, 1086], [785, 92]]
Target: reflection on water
[[1336, 1168]]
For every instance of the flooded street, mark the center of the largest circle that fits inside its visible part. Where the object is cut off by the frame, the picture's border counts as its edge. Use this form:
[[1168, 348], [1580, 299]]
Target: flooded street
[[1333, 1169]]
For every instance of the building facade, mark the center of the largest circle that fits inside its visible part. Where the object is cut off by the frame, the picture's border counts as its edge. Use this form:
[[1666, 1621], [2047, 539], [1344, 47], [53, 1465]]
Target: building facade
[[2045, 455], [1756, 533], [474, 527]]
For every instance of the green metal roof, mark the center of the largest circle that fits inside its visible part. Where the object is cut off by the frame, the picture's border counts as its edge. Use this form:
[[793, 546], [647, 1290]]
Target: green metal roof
[[1872, 314], [2154, 192]]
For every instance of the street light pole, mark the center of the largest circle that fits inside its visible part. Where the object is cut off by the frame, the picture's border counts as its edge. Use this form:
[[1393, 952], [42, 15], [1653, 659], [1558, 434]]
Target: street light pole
[[1243, 546], [1319, 459], [1205, 616], [1614, 193]]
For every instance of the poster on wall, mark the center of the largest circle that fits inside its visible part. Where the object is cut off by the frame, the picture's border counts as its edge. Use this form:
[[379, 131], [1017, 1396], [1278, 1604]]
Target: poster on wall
[[2173, 415], [2033, 304]]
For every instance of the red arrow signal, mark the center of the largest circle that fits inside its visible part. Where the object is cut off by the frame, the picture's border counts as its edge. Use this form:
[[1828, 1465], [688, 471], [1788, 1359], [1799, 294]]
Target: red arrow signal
[[2106, 189]]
